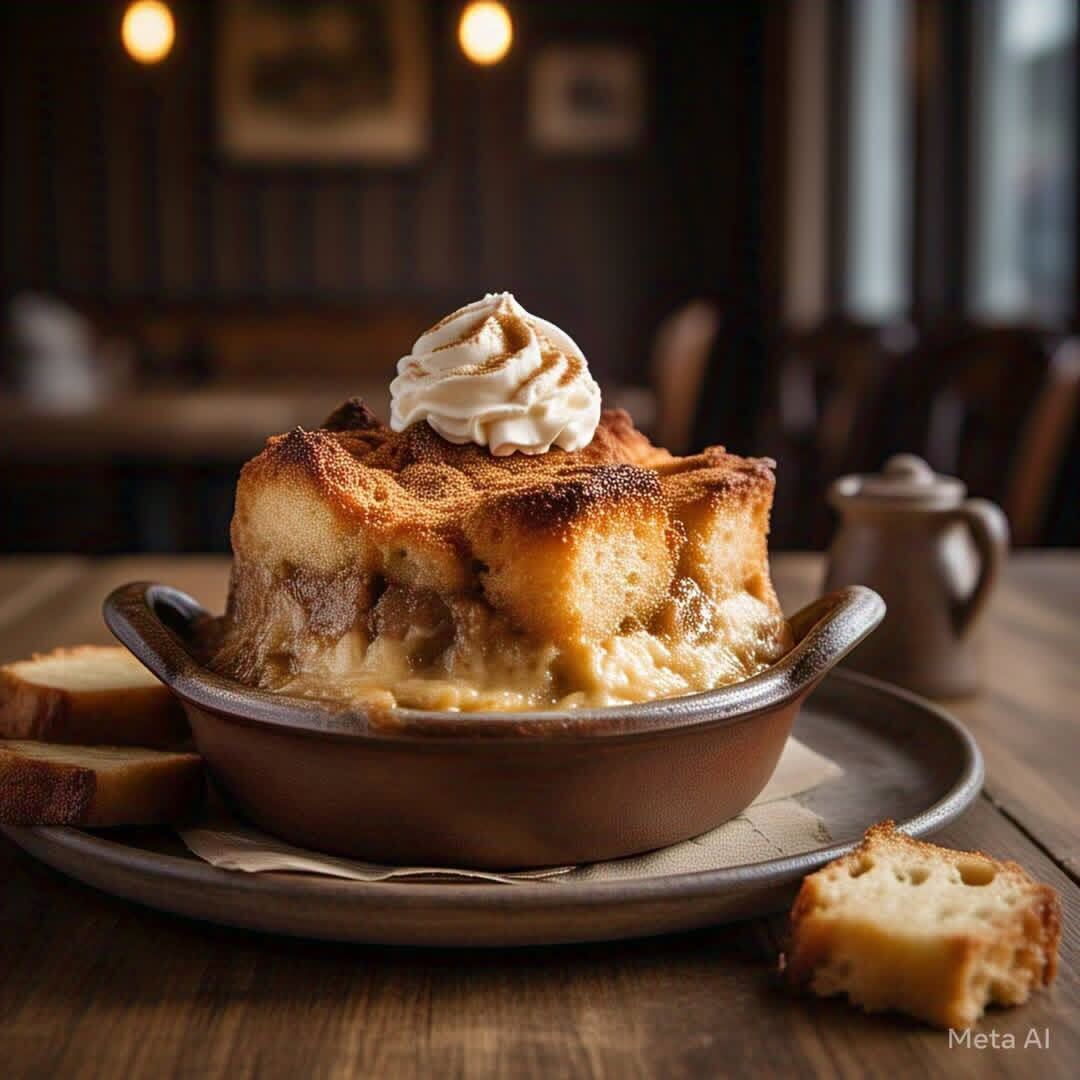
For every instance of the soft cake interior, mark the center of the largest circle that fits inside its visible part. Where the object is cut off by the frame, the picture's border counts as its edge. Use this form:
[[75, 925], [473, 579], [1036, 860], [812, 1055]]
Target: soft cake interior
[[373, 564]]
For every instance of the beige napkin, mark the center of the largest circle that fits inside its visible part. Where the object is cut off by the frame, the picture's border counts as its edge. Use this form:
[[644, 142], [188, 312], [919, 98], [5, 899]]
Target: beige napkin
[[774, 825]]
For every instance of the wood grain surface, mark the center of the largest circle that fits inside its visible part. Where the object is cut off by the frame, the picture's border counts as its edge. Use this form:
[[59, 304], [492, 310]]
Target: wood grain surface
[[93, 986]]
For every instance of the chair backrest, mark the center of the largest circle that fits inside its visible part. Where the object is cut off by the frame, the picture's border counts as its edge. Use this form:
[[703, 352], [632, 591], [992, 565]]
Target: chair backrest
[[972, 403], [680, 357], [829, 381], [824, 417], [1044, 443]]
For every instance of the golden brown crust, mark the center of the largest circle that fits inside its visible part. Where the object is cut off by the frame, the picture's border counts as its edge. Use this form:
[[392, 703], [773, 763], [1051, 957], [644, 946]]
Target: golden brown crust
[[414, 485], [986, 933], [131, 714], [715, 476], [40, 793], [42, 784], [555, 507], [368, 467], [351, 415]]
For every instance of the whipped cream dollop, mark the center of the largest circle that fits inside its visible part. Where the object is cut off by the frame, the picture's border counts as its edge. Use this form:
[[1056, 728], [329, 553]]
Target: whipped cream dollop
[[494, 375]]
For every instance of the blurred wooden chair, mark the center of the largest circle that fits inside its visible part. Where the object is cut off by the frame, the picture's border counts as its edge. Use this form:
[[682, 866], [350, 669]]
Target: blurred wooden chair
[[824, 418], [1044, 445], [680, 358], [994, 406], [1061, 524]]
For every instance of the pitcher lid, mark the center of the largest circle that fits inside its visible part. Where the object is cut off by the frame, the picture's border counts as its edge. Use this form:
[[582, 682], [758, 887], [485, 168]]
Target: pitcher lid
[[906, 480]]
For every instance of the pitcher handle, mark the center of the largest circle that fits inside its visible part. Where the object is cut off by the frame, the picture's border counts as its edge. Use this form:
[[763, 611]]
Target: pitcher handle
[[990, 531]]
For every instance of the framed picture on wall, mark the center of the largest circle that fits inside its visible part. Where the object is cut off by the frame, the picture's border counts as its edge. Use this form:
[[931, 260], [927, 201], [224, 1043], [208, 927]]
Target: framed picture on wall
[[323, 81], [586, 99]]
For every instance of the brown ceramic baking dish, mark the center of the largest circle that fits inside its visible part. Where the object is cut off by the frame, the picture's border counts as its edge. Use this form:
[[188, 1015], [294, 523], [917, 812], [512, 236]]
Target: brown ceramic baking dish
[[494, 790]]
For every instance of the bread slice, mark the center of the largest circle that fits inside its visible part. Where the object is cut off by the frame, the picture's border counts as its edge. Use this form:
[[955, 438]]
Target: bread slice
[[939, 934], [89, 694], [46, 784]]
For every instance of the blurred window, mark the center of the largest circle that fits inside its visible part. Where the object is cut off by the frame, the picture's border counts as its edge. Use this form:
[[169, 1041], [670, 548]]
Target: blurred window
[[878, 258], [1024, 158]]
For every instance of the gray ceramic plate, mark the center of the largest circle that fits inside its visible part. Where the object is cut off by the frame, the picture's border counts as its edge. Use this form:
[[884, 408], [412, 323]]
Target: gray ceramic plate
[[902, 758]]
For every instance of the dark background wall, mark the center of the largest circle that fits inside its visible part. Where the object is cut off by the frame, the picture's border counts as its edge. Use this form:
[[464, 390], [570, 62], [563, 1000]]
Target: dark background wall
[[114, 190]]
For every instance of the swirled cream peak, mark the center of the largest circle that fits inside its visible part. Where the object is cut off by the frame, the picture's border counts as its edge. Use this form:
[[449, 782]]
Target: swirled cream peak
[[494, 375]]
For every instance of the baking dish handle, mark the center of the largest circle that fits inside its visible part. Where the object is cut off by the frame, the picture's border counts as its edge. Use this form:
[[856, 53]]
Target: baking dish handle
[[157, 623]]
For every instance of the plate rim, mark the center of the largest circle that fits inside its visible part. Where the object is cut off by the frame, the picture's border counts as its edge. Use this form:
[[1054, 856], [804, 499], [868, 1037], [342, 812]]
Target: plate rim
[[534, 895]]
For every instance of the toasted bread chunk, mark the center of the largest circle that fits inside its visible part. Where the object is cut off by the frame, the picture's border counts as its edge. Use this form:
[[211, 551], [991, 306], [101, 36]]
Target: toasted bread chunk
[[88, 694], [46, 784], [723, 503], [598, 551], [939, 934]]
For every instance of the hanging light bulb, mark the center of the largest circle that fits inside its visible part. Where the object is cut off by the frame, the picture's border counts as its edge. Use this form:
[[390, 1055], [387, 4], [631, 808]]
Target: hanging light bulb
[[485, 32], [148, 31]]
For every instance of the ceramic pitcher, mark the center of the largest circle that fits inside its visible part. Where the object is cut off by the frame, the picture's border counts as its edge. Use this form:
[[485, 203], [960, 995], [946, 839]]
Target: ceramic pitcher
[[911, 534]]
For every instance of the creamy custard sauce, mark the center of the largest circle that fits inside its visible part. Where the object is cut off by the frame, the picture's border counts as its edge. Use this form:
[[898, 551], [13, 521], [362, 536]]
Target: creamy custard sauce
[[738, 638]]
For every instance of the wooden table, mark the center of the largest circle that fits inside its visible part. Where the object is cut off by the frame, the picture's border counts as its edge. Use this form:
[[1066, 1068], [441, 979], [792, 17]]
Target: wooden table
[[90, 985]]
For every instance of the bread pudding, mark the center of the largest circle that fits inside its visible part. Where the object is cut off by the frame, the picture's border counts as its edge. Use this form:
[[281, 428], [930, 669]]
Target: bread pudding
[[401, 568]]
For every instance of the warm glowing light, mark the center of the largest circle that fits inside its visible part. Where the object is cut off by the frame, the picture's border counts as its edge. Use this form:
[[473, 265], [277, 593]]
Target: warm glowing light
[[148, 31], [485, 32]]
